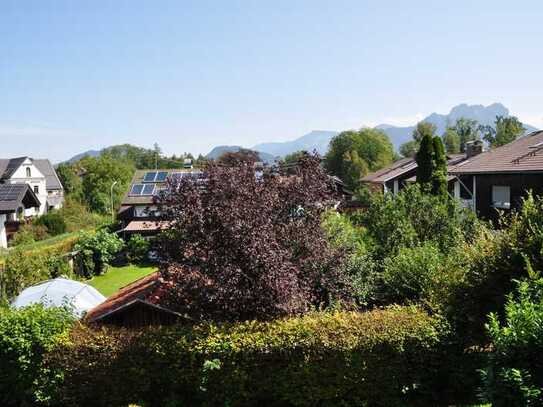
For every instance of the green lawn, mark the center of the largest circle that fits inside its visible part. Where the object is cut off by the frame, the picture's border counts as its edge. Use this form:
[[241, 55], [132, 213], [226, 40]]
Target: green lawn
[[117, 277]]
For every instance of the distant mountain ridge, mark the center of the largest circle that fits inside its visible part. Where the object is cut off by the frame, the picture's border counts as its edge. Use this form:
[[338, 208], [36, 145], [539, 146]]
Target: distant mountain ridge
[[485, 115], [320, 139], [220, 150], [80, 156], [316, 140]]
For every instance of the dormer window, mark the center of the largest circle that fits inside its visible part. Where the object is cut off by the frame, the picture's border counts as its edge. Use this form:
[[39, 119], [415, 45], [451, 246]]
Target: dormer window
[[28, 172]]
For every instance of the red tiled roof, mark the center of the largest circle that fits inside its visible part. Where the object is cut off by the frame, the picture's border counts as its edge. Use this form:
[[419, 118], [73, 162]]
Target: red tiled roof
[[142, 289], [522, 155]]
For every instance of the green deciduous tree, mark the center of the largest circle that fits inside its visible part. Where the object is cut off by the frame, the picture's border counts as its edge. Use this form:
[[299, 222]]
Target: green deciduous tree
[[451, 140], [95, 251], [373, 151], [467, 130], [100, 174], [409, 149], [69, 179], [422, 129], [505, 130]]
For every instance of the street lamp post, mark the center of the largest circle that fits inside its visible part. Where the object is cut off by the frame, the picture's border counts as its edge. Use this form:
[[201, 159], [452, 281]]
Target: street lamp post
[[112, 207]]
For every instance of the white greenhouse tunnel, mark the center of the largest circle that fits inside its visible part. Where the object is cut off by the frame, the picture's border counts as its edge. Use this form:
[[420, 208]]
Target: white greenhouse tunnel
[[61, 292]]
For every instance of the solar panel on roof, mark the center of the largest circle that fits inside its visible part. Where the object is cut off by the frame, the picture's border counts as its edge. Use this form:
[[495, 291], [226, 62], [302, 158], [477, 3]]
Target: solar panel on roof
[[136, 189], [149, 176], [10, 192], [161, 176], [148, 189]]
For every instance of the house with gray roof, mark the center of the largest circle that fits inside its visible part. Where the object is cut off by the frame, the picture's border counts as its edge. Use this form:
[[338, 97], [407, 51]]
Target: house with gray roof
[[138, 212], [497, 180], [395, 177], [15, 200], [42, 178]]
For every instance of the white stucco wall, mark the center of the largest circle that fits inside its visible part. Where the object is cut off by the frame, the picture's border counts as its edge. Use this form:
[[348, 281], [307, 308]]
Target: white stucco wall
[[3, 237]]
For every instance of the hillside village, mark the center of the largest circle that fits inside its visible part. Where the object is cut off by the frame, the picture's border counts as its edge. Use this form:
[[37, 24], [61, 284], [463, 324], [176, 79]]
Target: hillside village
[[135, 240]]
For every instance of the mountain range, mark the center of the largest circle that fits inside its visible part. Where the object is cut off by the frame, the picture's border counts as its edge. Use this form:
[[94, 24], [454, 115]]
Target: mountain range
[[319, 139]]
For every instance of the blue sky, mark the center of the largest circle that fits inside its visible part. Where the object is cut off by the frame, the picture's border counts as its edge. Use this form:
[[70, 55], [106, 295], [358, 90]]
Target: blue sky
[[76, 75]]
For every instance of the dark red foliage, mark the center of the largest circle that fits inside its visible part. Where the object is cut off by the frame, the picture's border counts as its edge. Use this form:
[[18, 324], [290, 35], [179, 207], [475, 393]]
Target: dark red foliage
[[244, 246]]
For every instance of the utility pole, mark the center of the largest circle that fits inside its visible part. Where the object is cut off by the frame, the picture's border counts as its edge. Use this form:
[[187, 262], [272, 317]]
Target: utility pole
[[112, 206]]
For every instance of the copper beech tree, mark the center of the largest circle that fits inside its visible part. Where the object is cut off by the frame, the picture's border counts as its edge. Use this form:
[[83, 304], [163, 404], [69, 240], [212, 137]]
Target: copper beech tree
[[244, 245]]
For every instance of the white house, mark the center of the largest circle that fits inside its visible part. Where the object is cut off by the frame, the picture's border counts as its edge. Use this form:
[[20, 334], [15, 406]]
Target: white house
[[42, 178], [15, 201]]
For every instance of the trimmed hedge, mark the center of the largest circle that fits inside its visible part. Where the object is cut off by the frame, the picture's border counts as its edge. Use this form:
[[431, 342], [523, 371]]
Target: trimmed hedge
[[376, 358]]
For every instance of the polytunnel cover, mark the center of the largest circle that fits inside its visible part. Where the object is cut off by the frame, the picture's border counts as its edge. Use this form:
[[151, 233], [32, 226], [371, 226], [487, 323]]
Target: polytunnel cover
[[60, 292]]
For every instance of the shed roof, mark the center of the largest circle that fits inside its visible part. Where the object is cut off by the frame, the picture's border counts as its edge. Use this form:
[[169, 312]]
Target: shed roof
[[141, 289], [140, 293], [522, 155]]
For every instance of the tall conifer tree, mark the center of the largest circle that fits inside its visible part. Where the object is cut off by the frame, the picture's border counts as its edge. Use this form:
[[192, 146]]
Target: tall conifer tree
[[439, 171]]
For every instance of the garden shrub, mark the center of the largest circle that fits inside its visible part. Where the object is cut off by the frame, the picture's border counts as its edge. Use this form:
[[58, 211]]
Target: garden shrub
[[413, 217], [23, 268], [78, 217], [514, 375], [137, 249], [376, 358], [358, 264], [492, 263], [29, 233], [25, 336], [53, 222], [95, 250], [410, 275]]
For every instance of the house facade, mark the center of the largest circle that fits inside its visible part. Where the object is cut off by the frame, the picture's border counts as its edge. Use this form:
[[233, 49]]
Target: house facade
[[15, 201], [497, 180], [395, 177], [138, 213], [42, 178]]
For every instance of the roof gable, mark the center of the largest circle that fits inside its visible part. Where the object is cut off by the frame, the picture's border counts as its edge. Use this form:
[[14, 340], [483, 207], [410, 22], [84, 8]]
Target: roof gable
[[8, 166]]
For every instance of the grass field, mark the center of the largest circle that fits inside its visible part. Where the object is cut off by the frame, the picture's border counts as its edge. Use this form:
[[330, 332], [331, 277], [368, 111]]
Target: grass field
[[117, 277]]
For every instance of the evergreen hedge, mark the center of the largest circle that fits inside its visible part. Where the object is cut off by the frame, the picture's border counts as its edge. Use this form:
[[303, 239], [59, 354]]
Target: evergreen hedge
[[376, 358]]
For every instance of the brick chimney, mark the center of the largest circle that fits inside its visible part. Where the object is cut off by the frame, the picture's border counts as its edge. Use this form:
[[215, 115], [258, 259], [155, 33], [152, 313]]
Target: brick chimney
[[474, 148]]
